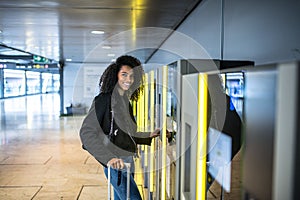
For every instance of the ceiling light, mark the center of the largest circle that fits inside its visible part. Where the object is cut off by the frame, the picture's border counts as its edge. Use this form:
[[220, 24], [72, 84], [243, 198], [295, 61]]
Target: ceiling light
[[48, 3], [68, 59], [106, 47], [111, 55], [0, 31], [97, 32]]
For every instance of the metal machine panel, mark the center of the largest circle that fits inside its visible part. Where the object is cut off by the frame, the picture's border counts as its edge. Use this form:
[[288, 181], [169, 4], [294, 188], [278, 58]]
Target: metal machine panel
[[189, 126], [271, 120], [260, 121]]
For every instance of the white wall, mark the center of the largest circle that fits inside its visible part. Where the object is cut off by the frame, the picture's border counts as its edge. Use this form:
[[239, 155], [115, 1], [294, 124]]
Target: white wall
[[263, 31], [76, 81]]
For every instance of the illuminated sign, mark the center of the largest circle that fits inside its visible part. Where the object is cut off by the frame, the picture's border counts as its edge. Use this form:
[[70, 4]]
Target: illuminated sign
[[40, 59]]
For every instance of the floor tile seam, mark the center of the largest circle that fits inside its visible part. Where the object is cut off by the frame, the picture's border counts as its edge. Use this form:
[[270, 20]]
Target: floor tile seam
[[4, 159], [27, 186], [44, 163], [36, 193], [19, 164], [19, 186], [82, 187]]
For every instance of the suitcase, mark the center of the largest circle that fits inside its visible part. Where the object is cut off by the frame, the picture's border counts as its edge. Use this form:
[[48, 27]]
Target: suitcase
[[127, 166]]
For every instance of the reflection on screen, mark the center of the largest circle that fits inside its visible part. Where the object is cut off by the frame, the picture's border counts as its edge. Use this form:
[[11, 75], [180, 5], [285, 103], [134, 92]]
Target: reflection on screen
[[219, 157]]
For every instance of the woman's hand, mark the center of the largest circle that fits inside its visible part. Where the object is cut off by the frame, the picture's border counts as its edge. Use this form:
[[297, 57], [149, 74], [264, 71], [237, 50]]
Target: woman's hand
[[116, 163], [157, 133]]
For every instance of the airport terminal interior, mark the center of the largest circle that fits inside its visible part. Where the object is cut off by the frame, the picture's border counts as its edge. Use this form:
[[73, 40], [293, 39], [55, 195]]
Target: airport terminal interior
[[221, 83]]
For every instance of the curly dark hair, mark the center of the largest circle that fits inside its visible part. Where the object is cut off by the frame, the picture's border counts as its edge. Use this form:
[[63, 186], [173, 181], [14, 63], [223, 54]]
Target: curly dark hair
[[109, 78]]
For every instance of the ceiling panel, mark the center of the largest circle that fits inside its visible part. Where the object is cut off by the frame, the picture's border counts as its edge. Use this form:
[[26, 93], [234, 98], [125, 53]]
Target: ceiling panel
[[61, 29]]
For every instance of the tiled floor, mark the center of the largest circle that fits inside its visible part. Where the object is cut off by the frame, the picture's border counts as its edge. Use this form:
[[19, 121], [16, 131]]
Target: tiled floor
[[41, 155]]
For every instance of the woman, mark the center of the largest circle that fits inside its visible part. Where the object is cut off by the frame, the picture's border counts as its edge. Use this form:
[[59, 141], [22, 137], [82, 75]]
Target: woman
[[109, 131]]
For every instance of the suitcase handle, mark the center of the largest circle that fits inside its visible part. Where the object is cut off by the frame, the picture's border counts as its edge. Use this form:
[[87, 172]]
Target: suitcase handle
[[127, 166]]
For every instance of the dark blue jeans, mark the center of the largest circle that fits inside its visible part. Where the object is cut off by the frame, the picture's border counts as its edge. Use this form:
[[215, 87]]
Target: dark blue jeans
[[120, 186]]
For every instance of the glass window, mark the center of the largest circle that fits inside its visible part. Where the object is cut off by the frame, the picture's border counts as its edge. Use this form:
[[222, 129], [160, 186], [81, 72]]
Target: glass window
[[33, 82], [56, 82], [14, 82], [47, 83], [235, 89]]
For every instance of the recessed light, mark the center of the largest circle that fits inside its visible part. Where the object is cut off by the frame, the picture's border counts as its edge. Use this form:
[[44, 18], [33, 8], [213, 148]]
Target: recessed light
[[49, 3], [111, 55], [68, 59], [97, 32], [106, 47]]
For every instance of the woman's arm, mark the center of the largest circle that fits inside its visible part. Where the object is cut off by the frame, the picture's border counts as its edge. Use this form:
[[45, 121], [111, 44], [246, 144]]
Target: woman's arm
[[146, 137]]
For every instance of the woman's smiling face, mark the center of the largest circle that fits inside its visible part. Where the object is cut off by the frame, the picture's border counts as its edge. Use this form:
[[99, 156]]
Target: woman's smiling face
[[125, 77]]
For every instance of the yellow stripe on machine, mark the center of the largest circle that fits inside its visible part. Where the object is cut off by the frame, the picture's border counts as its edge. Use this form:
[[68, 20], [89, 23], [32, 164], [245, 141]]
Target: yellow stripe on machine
[[202, 137], [164, 133], [152, 121]]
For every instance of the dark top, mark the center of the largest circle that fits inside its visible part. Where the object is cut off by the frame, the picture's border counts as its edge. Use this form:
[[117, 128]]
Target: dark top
[[105, 138]]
